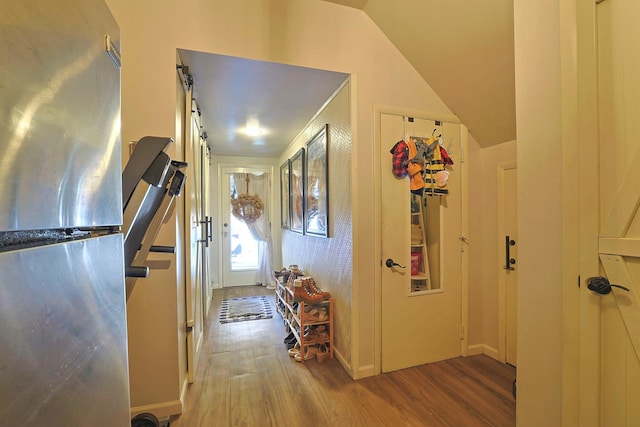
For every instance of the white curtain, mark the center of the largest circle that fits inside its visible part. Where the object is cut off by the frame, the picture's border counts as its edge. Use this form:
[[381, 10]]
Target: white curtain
[[261, 229]]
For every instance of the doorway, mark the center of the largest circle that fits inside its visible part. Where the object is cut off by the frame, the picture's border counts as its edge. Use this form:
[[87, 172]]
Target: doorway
[[507, 241]]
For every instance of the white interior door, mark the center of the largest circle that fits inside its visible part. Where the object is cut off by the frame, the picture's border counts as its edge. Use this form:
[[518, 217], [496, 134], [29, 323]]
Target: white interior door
[[619, 241], [421, 320], [207, 229], [195, 244], [509, 261]]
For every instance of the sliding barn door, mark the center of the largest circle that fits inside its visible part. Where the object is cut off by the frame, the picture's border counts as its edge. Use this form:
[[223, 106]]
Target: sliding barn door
[[619, 238], [195, 235]]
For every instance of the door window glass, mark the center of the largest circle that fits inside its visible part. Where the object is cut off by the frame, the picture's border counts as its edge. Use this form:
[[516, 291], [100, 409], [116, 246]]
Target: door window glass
[[244, 248]]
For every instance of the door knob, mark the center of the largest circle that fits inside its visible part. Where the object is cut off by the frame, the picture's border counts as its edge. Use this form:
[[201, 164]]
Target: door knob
[[601, 285], [391, 263]]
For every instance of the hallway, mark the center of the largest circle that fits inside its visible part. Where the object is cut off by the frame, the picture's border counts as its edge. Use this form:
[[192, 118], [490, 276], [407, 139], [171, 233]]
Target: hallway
[[246, 378]]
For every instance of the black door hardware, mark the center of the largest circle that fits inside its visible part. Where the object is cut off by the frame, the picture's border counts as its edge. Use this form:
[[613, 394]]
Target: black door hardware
[[508, 261], [601, 285], [391, 263]]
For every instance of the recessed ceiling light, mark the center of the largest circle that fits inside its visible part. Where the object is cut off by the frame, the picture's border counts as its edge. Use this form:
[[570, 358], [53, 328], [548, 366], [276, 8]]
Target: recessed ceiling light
[[253, 129]]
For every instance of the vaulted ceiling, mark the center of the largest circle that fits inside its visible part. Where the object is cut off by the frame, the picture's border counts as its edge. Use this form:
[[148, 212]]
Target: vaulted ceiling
[[464, 50]]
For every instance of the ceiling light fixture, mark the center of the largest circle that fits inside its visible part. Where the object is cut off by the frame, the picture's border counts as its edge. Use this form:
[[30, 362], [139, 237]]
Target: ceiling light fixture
[[253, 129]]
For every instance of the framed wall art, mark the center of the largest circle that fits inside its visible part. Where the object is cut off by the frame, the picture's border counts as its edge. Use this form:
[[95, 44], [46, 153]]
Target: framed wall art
[[296, 175], [285, 195], [317, 185]]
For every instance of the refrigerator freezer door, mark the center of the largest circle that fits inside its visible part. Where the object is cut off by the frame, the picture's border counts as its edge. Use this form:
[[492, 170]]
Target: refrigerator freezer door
[[60, 141], [64, 335]]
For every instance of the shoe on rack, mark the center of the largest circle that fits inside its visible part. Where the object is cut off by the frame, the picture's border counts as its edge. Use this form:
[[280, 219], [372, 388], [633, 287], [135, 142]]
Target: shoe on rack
[[303, 293], [315, 314], [313, 288], [318, 335], [310, 351], [323, 353], [289, 338], [294, 350]]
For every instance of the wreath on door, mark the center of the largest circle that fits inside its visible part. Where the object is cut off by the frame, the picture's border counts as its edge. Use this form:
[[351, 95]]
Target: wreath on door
[[246, 207]]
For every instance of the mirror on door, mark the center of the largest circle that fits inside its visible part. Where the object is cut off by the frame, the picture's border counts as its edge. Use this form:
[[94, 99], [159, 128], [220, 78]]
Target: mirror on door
[[425, 243]]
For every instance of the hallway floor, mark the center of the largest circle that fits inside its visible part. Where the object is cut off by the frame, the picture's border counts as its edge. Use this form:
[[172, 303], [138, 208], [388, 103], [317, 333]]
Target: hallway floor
[[246, 378]]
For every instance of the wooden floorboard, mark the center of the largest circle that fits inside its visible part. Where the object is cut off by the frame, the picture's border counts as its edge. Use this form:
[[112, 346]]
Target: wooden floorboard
[[246, 378]]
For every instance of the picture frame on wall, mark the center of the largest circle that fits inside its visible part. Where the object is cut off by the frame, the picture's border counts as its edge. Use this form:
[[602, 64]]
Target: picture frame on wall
[[316, 213], [285, 195], [297, 193]]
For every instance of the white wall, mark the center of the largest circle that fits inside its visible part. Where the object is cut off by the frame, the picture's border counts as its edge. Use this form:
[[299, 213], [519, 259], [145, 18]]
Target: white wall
[[329, 260]]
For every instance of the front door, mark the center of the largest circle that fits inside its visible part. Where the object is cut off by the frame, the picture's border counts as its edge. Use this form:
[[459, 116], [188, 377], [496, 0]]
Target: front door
[[422, 246], [241, 252], [619, 237]]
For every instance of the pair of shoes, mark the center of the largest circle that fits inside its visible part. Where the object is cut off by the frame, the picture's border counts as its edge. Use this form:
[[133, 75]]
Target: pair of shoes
[[294, 350], [323, 353], [311, 285], [310, 351], [289, 338], [303, 293], [315, 314], [318, 335]]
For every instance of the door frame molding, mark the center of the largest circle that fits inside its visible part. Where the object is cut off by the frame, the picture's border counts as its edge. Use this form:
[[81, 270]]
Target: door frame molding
[[582, 381], [378, 110], [502, 294]]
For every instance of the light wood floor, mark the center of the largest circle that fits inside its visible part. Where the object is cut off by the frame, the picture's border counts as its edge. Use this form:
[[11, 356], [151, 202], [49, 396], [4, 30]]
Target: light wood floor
[[246, 378]]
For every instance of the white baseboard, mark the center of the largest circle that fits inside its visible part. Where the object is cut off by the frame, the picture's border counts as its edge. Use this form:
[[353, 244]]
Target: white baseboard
[[208, 301], [476, 349], [183, 392], [217, 286], [483, 349], [344, 363], [160, 410], [364, 371]]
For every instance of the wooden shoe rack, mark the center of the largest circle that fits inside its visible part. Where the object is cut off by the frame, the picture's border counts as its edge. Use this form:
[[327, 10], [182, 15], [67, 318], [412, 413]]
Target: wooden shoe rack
[[294, 321]]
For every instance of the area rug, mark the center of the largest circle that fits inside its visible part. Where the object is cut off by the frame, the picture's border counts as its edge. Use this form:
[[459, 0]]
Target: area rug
[[245, 308]]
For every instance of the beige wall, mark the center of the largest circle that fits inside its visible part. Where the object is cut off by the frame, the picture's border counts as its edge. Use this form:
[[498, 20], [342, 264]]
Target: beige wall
[[308, 33], [484, 262], [543, 106]]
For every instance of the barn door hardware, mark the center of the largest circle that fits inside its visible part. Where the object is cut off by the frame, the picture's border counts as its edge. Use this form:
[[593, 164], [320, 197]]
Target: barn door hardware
[[508, 261]]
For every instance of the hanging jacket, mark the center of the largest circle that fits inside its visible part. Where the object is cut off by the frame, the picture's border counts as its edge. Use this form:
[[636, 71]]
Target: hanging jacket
[[415, 168], [445, 156], [400, 159], [432, 167]]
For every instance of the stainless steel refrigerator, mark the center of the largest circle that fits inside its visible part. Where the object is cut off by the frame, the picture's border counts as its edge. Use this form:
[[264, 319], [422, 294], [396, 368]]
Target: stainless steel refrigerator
[[63, 332]]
